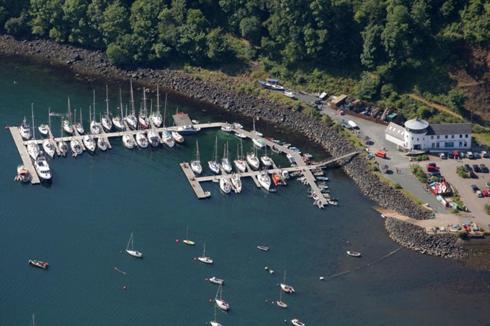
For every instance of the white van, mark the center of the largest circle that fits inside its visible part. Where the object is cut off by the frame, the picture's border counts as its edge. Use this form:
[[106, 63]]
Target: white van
[[352, 124]]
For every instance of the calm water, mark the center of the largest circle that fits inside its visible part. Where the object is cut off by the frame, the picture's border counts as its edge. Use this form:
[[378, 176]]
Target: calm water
[[83, 220]]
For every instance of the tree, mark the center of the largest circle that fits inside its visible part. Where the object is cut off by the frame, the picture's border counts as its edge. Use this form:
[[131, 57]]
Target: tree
[[114, 22], [396, 34], [368, 87], [218, 47], [250, 29], [118, 55]]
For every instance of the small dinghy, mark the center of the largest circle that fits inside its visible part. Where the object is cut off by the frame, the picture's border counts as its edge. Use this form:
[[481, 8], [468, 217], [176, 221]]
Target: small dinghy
[[216, 280], [263, 248], [353, 253], [38, 263]]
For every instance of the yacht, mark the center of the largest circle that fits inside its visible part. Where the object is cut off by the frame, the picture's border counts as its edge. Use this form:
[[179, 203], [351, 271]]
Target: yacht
[[49, 148], [63, 147], [25, 130], [67, 126], [130, 248], [143, 120], [253, 161], [205, 259], [167, 138], [43, 129], [141, 139], [216, 280], [220, 302], [103, 143], [264, 180], [214, 165], [177, 137], [33, 150], [285, 287], [240, 163], [266, 160], [236, 182], [76, 147], [196, 163], [38, 263], [225, 185], [106, 118], [154, 138], [42, 168], [89, 143], [128, 141], [297, 322], [156, 117], [225, 162]]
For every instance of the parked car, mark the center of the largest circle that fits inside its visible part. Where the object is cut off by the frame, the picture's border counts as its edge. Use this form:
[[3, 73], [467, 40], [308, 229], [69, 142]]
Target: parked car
[[476, 168], [470, 155], [473, 175], [461, 155], [474, 188], [451, 155], [484, 154], [476, 155], [468, 168], [483, 168], [479, 194], [442, 156], [432, 167]]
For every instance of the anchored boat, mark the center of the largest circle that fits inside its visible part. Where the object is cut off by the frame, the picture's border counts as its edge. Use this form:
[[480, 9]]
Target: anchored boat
[[205, 259], [130, 248], [38, 263]]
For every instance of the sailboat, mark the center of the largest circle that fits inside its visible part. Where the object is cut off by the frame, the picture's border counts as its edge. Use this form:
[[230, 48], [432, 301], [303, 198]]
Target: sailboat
[[279, 302], [67, 125], [128, 141], [45, 128], [220, 302], [187, 241], [225, 162], [117, 120], [264, 180], [285, 287], [167, 138], [49, 147], [225, 185], [266, 160], [255, 131], [154, 137], [106, 118], [205, 259], [131, 119], [95, 127], [297, 322], [25, 130], [253, 160], [214, 165], [33, 150], [130, 248], [214, 322], [103, 143], [143, 121], [62, 146], [141, 139], [156, 116], [76, 147], [177, 137], [240, 163], [89, 143], [236, 182], [78, 126], [196, 163]]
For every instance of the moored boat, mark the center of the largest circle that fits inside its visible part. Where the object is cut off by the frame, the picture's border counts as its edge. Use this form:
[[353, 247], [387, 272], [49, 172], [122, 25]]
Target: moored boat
[[227, 127], [214, 165], [253, 161], [236, 183], [220, 302], [103, 143], [167, 138], [38, 263], [23, 174], [141, 139], [43, 129], [154, 138], [225, 185], [264, 180], [25, 130], [216, 280], [259, 142], [263, 248], [196, 163], [297, 322], [63, 147], [177, 137], [225, 162], [89, 143], [42, 168], [205, 259], [128, 141], [33, 150], [353, 253], [130, 248], [49, 147], [76, 147], [286, 288]]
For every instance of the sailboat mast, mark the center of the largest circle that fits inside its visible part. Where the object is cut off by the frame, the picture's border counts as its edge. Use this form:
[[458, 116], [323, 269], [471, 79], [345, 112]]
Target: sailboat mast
[[197, 150], [33, 129], [93, 105], [165, 111], [121, 103], [80, 122], [132, 96], [69, 109], [216, 149], [49, 117], [74, 116], [158, 98], [144, 100], [107, 100]]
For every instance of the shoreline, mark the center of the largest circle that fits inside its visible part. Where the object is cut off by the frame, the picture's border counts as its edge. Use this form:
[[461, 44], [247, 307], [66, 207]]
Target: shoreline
[[192, 89]]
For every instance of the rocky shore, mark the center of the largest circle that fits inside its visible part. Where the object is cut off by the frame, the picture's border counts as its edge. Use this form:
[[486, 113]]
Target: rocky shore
[[86, 62], [414, 237]]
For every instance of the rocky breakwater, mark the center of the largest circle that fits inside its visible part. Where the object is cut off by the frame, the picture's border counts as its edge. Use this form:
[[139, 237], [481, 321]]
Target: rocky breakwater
[[414, 237], [221, 95]]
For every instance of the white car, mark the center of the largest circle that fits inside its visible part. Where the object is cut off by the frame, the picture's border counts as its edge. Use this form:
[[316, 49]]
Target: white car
[[469, 155], [442, 156]]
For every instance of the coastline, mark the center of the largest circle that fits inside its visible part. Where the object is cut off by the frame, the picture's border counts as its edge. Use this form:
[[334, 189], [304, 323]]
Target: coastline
[[186, 86]]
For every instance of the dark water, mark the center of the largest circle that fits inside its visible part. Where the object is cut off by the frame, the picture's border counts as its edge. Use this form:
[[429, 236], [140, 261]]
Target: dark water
[[83, 220]]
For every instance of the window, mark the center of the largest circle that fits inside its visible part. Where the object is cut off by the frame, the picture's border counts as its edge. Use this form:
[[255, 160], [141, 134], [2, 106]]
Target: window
[[466, 136], [448, 144], [452, 136], [432, 137], [460, 136], [445, 136], [460, 143], [437, 137]]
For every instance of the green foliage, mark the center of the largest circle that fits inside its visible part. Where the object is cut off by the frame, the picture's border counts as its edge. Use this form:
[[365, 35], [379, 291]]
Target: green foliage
[[487, 208], [419, 173], [460, 170], [368, 87]]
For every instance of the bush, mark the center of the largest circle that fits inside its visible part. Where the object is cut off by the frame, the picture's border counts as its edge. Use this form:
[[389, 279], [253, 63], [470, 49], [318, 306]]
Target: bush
[[419, 173], [487, 208], [461, 171], [423, 157], [118, 55]]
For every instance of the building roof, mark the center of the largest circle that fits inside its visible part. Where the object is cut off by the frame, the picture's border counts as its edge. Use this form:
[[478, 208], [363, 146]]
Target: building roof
[[416, 124], [395, 130], [450, 129]]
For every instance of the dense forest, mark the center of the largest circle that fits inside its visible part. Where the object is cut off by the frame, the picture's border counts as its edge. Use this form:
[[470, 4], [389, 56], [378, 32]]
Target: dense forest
[[382, 40]]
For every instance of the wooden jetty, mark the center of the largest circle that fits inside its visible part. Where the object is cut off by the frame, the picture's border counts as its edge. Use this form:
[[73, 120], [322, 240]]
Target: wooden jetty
[[26, 159], [196, 185]]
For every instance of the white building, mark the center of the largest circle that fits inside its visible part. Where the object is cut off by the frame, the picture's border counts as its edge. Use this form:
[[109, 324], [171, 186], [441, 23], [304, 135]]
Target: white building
[[418, 134]]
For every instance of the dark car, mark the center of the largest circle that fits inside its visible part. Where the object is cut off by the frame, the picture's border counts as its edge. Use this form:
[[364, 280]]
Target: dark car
[[476, 168], [474, 188], [468, 168], [476, 155], [473, 175], [483, 168]]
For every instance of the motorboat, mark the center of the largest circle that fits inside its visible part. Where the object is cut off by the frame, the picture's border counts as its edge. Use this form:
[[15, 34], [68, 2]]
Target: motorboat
[[220, 302], [297, 322], [291, 158], [67, 126], [225, 185], [277, 179], [49, 147], [214, 166], [42, 168], [23, 174], [216, 280], [264, 180], [205, 259], [38, 263], [236, 183], [154, 138], [321, 178], [177, 137], [130, 248], [263, 248], [141, 139], [240, 135], [253, 161], [33, 150], [89, 143], [63, 147], [353, 253], [259, 142], [196, 163], [103, 143], [227, 127], [43, 129], [188, 129], [267, 160], [76, 147], [285, 287], [128, 141], [167, 139], [25, 130]]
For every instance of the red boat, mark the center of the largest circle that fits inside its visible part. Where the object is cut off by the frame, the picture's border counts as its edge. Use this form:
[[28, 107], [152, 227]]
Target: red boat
[[38, 263]]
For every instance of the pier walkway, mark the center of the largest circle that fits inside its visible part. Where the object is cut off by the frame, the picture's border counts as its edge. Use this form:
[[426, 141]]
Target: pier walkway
[[26, 159]]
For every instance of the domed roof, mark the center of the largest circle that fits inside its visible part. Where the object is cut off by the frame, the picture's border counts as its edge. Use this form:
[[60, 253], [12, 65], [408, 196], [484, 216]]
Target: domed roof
[[416, 124]]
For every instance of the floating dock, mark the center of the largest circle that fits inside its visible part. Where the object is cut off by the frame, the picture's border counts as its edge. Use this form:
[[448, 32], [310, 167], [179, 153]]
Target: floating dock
[[26, 159], [196, 185]]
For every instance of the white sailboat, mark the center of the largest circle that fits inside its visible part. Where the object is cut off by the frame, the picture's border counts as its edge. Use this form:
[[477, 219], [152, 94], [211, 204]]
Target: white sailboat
[[196, 163], [143, 120], [25, 130], [154, 137], [188, 241], [43, 129], [156, 116], [62, 145], [177, 137], [225, 162], [103, 143], [236, 182], [240, 163], [297, 322], [49, 148], [118, 120], [42, 168], [106, 118], [167, 139], [131, 119], [225, 185], [214, 165], [33, 150], [255, 131], [205, 259], [141, 139], [95, 127], [128, 141], [89, 143], [78, 126], [279, 302], [214, 322], [220, 302], [130, 248], [264, 180], [266, 160], [76, 147], [253, 161], [285, 287], [67, 125]]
